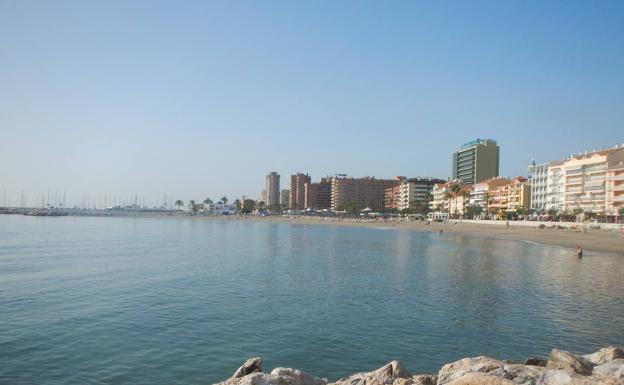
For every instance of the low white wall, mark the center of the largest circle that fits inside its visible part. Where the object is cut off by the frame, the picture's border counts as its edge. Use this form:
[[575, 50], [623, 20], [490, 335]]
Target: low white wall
[[604, 226]]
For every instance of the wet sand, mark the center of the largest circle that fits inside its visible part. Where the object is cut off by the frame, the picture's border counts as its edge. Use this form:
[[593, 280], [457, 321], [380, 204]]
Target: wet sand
[[608, 241]]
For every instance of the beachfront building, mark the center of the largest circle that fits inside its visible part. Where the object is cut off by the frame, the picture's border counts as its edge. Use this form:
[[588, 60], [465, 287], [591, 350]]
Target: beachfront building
[[518, 194], [317, 196], [284, 199], [591, 182], [587, 185], [272, 190], [438, 198], [615, 192], [555, 185], [356, 194], [297, 191], [476, 161], [538, 179], [450, 197], [411, 192], [391, 199], [510, 197], [220, 208], [480, 193]]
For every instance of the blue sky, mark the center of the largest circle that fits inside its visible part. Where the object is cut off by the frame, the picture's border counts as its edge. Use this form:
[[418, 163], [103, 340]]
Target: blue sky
[[199, 99]]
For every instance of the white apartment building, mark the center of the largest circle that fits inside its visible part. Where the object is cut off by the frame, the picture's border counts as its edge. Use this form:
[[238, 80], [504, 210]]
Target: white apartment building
[[538, 179], [415, 190], [555, 185], [219, 208]]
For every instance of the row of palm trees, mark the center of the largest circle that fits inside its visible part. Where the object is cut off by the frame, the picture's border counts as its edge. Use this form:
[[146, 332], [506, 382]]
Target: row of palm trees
[[224, 200]]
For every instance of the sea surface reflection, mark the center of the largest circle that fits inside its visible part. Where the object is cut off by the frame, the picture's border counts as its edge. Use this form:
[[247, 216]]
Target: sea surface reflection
[[165, 300]]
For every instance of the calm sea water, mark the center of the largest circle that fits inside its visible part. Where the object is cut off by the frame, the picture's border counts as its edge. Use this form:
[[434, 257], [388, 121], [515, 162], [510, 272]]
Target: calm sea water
[[182, 301]]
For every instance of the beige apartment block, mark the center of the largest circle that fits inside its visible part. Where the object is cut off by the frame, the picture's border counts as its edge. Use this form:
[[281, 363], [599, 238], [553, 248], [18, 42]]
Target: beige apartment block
[[615, 191], [591, 182], [518, 194]]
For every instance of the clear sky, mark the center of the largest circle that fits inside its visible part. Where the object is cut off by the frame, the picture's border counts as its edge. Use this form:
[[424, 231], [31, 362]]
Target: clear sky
[[199, 99]]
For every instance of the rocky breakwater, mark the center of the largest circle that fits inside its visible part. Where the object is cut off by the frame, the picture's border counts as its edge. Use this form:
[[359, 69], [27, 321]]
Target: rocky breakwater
[[606, 366]]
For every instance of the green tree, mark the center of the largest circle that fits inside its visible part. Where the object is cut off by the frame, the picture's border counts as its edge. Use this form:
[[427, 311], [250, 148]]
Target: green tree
[[179, 203], [249, 205], [487, 197], [191, 204], [224, 200], [208, 201], [474, 210], [350, 207], [238, 204]]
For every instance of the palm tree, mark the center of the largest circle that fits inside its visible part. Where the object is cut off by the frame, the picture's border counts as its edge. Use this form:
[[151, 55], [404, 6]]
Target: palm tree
[[465, 194], [238, 204], [447, 197], [208, 201], [191, 204], [179, 203], [224, 200], [487, 197]]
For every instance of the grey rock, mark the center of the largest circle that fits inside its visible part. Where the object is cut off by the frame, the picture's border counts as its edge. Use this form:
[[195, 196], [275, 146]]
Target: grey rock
[[252, 365], [535, 361], [605, 355], [457, 369], [614, 368], [566, 377], [425, 379], [479, 378], [385, 375], [279, 376], [560, 359], [298, 376]]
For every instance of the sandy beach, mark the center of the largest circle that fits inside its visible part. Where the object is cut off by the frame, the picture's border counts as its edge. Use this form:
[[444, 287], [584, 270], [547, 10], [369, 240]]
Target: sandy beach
[[607, 241]]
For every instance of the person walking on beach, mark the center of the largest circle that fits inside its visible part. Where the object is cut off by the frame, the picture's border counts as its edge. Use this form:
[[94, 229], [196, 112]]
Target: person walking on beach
[[579, 251]]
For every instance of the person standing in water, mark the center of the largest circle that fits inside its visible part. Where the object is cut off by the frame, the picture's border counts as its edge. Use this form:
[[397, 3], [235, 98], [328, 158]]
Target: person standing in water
[[579, 251]]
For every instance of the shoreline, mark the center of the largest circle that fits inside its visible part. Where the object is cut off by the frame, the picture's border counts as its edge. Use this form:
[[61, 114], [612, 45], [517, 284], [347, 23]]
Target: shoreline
[[604, 366], [593, 241]]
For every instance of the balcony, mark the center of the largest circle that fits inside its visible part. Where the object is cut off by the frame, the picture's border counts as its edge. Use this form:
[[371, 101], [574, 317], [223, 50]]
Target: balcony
[[574, 171], [617, 177]]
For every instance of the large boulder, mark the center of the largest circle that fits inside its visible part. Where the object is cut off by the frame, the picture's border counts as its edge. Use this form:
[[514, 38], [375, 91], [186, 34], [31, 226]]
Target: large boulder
[[567, 377], [425, 379], [252, 365], [457, 369], [385, 375], [560, 359], [613, 368], [605, 355], [477, 378], [279, 376], [298, 377], [519, 374], [535, 361]]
